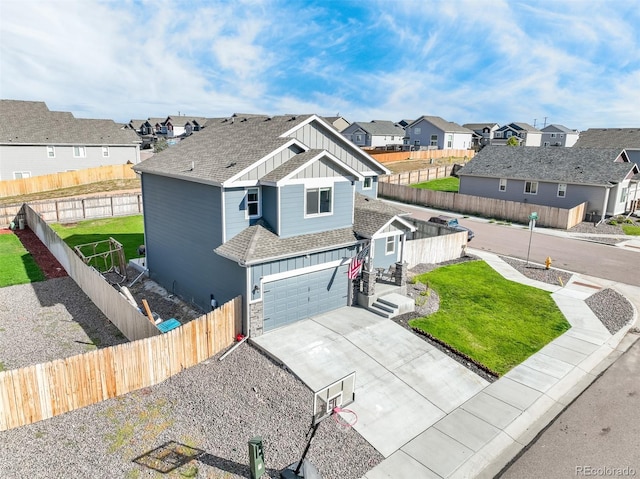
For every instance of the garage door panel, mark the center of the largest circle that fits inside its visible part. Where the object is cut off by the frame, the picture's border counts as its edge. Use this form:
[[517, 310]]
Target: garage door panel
[[292, 299]]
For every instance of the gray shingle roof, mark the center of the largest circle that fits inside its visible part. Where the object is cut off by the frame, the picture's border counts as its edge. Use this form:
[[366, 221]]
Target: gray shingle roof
[[444, 125], [370, 215], [609, 138], [555, 127], [479, 126], [32, 123], [290, 165], [524, 126], [564, 165], [381, 128], [257, 244]]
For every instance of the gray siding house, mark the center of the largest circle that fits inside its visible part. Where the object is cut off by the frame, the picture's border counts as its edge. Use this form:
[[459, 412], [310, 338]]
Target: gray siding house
[[526, 134], [559, 135], [36, 141], [556, 177], [627, 138], [483, 133], [435, 133], [269, 208], [375, 134]]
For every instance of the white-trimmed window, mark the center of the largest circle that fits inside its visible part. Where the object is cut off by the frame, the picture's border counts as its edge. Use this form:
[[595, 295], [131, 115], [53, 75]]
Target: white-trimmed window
[[51, 151], [503, 184], [79, 152], [358, 138], [530, 187], [390, 245], [434, 140], [417, 130], [252, 200], [319, 201], [449, 141], [367, 184], [105, 152], [17, 175], [562, 190], [624, 194], [553, 135], [546, 143]]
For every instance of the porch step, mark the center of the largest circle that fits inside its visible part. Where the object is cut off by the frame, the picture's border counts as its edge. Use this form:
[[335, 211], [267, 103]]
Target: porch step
[[401, 304], [383, 310]]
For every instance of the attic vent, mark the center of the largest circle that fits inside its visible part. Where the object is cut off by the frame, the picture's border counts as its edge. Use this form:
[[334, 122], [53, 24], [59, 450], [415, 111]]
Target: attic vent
[[292, 118], [233, 163], [243, 120], [225, 120]]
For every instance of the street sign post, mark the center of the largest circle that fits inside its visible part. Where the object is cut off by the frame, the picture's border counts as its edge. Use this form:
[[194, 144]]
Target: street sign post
[[532, 224]]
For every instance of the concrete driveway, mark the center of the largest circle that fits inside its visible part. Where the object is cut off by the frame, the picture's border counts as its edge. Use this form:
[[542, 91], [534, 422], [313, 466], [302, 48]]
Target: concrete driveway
[[403, 384]]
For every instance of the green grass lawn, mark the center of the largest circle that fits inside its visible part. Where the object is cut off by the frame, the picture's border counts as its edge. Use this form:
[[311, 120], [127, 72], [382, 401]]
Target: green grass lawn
[[18, 266], [631, 230], [449, 184], [128, 230], [497, 322]]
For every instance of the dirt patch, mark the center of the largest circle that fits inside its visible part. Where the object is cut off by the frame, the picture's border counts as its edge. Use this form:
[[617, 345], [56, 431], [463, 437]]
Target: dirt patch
[[45, 260]]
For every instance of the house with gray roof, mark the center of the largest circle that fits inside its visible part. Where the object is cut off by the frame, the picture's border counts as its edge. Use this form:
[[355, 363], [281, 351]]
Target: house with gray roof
[[36, 141], [338, 122], [558, 177], [435, 133], [559, 135], [269, 208], [627, 138], [381, 134], [482, 133], [526, 134]]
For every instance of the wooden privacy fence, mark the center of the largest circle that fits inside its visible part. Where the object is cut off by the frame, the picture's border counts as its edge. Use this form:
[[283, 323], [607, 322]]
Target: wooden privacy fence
[[65, 180], [488, 207], [45, 390], [67, 210], [417, 176], [384, 157]]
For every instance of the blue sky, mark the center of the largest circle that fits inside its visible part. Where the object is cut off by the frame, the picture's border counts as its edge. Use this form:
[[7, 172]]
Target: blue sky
[[575, 62]]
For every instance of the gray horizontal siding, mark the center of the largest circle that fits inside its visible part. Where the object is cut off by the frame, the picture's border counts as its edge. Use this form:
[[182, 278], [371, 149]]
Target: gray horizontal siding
[[234, 211], [182, 227], [270, 206], [292, 208], [373, 192], [380, 259]]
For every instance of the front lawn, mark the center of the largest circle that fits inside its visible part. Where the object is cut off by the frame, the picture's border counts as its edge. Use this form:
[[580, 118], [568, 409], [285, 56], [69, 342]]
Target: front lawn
[[498, 323], [631, 230], [449, 184], [128, 230], [18, 266]]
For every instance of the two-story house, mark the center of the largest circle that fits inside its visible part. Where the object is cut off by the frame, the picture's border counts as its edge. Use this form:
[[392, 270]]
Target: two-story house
[[605, 179], [375, 134], [627, 138], [266, 208], [338, 122], [36, 141], [433, 132], [526, 134], [483, 133], [559, 135]]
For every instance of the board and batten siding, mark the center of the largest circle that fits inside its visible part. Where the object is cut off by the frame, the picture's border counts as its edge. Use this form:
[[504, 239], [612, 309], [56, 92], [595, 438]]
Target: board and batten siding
[[271, 163], [292, 208], [259, 271], [315, 136], [181, 232], [35, 160], [547, 192]]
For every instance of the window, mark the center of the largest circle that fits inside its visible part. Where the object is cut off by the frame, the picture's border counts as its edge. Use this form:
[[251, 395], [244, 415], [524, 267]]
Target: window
[[449, 141], [390, 246], [498, 134], [367, 183], [416, 143], [553, 135], [434, 140], [318, 201], [546, 143], [509, 134], [624, 193], [503, 184], [253, 203], [51, 151], [531, 187], [21, 174], [417, 130], [78, 152], [358, 138], [562, 190], [105, 152]]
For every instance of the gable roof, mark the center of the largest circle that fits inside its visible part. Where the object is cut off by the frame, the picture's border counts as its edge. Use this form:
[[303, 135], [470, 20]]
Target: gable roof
[[32, 123], [592, 166], [520, 126], [553, 128], [228, 146], [380, 128], [301, 160], [442, 124], [371, 215], [609, 138], [480, 126]]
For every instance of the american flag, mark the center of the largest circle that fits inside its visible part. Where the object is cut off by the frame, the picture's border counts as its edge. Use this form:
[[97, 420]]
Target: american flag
[[355, 266]]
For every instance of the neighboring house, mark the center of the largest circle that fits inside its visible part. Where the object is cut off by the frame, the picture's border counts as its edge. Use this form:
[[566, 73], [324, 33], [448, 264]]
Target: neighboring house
[[266, 208], [36, 141], [404, 123], [526, 134], [627, 138], [556, 177], [558, 135], [338, 122], [434, 133], [375, 134], [483, 133]]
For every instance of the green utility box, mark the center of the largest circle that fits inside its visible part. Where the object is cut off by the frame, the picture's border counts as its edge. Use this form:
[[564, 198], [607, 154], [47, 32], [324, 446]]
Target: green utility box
[[256, 457]]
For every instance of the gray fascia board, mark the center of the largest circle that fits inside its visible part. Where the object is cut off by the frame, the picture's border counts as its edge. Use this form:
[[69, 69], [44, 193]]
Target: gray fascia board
[[539, 181], [79, 143], [310, 251], [192, 179]]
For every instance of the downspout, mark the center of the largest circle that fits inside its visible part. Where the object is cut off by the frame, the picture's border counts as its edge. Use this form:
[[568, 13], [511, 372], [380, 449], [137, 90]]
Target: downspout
[[607, 191]]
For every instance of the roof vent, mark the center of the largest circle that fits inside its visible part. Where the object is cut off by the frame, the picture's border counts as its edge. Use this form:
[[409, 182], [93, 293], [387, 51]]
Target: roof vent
[[233, 163], [292, 118], [243, 120]]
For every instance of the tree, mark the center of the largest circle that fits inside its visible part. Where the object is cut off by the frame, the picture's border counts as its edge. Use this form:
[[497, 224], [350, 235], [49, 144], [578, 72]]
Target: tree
[[512, 141], [160, 145]]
